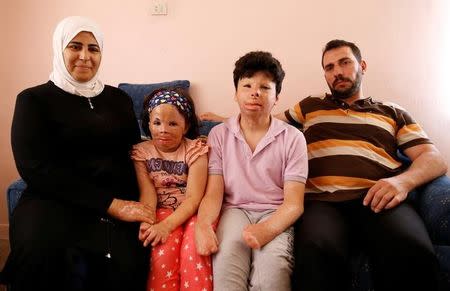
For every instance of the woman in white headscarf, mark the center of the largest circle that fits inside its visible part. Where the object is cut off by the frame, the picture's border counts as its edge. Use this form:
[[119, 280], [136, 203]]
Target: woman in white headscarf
[[76, 224]]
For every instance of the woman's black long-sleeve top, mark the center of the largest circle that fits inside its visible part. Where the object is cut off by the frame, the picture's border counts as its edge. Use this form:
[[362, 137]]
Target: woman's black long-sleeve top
[[68, 152]]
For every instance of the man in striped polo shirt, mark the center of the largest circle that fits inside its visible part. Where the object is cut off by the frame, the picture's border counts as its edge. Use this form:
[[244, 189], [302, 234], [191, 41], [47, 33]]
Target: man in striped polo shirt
[[357, 185]]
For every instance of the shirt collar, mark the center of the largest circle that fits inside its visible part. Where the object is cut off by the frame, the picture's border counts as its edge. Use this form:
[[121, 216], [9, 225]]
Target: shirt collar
[[275, 128], [338, 101]]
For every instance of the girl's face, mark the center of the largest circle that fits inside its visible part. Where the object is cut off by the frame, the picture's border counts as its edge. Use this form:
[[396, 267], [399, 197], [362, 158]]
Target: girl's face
[[82, 56], [168, 127]]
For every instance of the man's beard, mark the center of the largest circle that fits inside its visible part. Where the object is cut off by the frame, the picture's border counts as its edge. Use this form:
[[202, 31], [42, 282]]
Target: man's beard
[[347, 93]]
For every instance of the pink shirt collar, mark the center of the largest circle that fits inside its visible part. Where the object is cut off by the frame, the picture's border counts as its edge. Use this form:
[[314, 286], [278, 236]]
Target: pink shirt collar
[[276, 127]]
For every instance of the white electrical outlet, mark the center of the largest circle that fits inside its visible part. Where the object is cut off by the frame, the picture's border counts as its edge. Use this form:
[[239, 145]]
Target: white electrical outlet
[[159, 7]]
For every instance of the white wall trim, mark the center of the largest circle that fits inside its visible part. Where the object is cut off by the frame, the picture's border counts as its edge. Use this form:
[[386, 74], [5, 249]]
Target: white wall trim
[[4, 233]]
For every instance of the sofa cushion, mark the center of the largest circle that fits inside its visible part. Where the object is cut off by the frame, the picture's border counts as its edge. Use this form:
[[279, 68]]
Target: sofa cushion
[[443, 255], [205, 126], [434, 207], [13, 194], [137, 92]]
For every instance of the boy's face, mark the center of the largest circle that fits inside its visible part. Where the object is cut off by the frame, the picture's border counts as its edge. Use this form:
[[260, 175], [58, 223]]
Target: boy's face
[[256, 95]]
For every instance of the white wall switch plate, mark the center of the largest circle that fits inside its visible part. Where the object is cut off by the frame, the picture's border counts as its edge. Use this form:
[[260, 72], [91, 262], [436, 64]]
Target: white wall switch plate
[[159, 7]]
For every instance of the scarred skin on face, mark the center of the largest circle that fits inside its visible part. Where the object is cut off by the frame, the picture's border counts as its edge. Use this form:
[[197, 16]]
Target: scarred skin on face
[[167, 127]]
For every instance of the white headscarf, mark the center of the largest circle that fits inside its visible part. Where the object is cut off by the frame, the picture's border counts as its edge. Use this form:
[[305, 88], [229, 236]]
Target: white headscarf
[[65, 31]]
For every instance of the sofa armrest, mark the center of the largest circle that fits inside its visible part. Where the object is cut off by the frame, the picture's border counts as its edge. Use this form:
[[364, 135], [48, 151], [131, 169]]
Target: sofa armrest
[[13, 194], [433, 204]]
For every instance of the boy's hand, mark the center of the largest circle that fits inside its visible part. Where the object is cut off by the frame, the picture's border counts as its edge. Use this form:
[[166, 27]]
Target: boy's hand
[[258, 235], [206, 240]]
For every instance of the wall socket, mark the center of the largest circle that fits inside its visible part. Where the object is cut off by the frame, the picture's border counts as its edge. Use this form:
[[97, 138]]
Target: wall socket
[[159, 7]]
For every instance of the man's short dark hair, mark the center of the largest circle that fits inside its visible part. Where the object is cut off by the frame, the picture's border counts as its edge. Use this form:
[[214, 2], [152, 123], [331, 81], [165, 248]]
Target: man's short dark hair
[[258, 61], [337, 43]]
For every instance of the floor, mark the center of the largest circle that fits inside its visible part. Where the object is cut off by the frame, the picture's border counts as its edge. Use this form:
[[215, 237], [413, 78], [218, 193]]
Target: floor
[[4, 251]]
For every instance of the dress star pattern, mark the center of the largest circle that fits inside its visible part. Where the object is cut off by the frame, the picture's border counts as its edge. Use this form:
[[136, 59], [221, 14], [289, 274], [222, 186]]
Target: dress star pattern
[[178, 265]]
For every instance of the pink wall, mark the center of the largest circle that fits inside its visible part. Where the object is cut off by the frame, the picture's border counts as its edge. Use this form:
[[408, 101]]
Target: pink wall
[[405, 43]]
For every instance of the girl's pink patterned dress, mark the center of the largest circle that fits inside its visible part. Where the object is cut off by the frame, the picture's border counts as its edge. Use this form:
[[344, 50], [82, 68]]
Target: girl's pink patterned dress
[[174, 265]]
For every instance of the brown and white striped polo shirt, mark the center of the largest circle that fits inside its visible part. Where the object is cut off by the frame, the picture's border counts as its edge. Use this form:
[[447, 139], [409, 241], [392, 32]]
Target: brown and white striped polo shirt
[[350, 147]]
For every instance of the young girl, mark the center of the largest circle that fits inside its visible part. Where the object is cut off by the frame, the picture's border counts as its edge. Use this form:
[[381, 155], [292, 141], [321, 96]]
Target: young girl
[[172, 172]]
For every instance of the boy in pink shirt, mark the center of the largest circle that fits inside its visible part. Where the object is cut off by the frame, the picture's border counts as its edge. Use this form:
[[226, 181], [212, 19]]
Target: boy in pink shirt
[[257, 173]]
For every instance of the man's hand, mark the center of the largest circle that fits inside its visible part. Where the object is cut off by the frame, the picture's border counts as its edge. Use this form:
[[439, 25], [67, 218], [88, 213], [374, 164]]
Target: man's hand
[[206, 240], [386, 194], [210, 116], [427, 164], [131, 211]]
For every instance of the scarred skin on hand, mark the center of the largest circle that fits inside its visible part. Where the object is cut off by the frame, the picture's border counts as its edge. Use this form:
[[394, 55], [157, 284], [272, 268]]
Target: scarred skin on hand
[[157, 233], [206, 240], [259, 234], [131, 211], [144, 226], [210, 116]]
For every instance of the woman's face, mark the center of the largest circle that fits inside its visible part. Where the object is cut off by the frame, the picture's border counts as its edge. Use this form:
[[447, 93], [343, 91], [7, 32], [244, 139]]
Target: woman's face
[[167, 127], [82, 56]]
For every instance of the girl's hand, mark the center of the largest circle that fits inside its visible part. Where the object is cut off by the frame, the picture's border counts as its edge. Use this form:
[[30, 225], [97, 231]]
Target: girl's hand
[[142, 229], [131, 211], [206, 240], [156, 234]]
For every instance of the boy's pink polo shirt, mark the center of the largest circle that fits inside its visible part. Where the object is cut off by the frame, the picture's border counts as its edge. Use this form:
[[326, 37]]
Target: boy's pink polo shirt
[[254, 181]]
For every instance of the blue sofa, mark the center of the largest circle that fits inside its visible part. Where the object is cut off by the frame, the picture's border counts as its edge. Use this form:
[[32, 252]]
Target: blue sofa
[[431, 200]]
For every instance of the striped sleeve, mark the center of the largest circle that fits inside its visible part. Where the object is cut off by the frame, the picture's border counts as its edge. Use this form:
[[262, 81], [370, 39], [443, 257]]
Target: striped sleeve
[[296, 157], [409, 132], [295, 115]]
